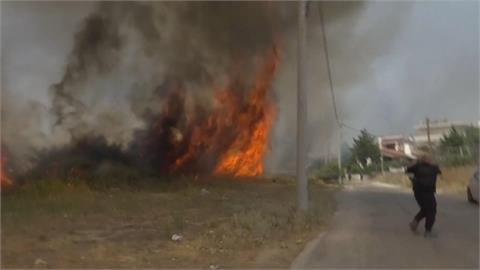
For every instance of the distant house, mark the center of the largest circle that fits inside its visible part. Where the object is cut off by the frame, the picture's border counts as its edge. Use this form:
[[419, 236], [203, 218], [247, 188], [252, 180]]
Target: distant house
[[396, 147], [437, 130]]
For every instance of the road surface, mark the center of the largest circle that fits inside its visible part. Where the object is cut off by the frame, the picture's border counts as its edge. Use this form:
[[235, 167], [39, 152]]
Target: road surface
[[370, 230]]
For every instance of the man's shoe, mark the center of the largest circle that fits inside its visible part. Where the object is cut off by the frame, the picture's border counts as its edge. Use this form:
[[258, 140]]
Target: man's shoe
[[413, 225], [430, 234]]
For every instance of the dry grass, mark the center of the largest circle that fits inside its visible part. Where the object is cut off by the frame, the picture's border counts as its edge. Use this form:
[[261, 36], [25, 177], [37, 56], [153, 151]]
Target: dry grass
[[230, 224], [453, 179]]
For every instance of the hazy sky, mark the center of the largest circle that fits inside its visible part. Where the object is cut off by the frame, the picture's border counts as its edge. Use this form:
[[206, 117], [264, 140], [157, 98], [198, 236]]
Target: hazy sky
[[394, 63], [431, 69]]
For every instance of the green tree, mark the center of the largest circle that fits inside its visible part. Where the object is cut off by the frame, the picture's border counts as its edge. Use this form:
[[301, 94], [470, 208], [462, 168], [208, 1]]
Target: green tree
[[459, 148], [365, 147], [472, 141], [452, 140], [472, 136]]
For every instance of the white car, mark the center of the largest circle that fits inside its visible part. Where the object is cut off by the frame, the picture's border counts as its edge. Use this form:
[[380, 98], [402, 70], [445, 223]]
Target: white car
[[472, 188]]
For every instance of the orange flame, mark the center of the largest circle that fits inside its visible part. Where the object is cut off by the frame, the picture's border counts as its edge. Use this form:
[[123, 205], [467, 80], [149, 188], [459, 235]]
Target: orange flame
[[246, 155], [238, 129], [4, 180]]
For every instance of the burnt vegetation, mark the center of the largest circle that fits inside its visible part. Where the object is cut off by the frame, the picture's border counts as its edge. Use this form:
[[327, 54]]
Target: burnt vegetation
[[86, 159], [210, 113]]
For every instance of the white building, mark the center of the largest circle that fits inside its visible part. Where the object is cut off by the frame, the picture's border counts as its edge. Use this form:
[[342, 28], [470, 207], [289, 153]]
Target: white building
[[437, 130], [396, 147]]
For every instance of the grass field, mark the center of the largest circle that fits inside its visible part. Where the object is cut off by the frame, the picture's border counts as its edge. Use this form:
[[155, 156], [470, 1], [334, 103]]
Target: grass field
[[453, 179], [224, 224]]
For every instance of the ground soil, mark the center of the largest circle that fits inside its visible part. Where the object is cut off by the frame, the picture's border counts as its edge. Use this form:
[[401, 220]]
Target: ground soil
[[223, 224]]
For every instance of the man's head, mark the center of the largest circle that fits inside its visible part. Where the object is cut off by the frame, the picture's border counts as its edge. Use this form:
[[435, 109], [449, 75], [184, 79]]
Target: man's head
[[424, 157]]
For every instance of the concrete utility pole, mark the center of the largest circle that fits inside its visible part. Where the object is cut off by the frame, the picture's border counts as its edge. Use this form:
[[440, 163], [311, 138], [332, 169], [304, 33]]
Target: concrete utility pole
[[380, 146], [339, 154], [302, 184], [427, 122]]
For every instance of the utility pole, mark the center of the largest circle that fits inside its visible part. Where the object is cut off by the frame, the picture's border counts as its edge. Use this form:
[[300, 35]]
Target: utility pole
[[302, 184], [380, 146], [427, 122], [339, 124], [339, 154]]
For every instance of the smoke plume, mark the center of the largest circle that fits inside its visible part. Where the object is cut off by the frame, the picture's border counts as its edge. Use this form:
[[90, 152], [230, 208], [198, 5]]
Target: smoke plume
[[125, 53], [127, 58]]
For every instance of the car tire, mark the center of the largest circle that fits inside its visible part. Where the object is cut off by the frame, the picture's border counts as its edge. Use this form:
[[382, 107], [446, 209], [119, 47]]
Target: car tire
[[469, 196]]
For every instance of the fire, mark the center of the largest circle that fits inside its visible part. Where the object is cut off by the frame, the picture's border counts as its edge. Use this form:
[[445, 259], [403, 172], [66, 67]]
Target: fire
[[246, 155], [4, 179], [233, 138], [229, 136]]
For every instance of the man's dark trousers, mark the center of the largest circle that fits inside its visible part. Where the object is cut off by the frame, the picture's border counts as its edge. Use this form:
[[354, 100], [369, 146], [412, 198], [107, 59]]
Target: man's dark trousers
[[428, 207]]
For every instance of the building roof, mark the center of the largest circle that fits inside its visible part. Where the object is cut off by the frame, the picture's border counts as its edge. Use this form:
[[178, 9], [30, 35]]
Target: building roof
[[398, 138], [446, 124], [390, 153]]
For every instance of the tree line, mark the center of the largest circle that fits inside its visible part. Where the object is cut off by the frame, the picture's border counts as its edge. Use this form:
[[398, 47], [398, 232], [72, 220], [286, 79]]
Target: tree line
[[456, 148]]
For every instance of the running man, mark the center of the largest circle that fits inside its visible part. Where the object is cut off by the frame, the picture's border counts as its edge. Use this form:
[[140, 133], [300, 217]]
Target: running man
[[424, 179]]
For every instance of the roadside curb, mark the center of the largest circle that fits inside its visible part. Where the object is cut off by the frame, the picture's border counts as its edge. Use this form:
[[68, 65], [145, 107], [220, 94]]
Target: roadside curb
[[301, 259], [307, 252]]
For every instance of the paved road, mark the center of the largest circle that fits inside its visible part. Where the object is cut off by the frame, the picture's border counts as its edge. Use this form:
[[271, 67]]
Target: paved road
[[370, 230]]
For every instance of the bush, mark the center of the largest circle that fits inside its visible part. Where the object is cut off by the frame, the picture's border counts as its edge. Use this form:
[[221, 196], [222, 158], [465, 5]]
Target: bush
[[370, 170], [396, 163], [459, 148], [93, 161], [457, 156], [328, 171], [76, 160]]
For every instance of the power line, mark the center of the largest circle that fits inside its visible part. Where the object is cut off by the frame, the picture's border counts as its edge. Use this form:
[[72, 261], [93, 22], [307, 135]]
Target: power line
[[330, 81], [359, 129], [350, 127], [329, 72], [334, 103]]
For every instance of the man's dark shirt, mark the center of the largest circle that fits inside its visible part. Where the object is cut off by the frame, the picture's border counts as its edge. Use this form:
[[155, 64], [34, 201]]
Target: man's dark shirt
[[424, 176]]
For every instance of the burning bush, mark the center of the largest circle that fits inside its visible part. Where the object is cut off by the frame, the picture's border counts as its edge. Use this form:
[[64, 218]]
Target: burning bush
[[231, 138], [78, 160], [184, 88], [5, 181]]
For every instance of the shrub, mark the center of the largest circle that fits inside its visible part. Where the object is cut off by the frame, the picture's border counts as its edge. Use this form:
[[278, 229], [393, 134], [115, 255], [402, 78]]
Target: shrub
[[328, 171], [75, 160]]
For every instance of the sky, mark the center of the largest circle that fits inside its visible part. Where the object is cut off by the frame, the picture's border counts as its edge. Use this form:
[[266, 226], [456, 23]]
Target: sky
[[393, 64], [430, 70]]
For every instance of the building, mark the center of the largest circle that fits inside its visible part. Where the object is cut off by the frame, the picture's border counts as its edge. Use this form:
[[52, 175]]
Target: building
[[436, 130], [396, 147]]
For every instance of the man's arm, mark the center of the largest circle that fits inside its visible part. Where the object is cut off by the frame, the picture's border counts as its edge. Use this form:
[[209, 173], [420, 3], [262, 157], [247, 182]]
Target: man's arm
[[410, 171], [439, 173]]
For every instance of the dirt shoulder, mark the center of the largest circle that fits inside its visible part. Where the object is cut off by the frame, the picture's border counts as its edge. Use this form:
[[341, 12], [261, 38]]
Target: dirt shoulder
[[224, 224]]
